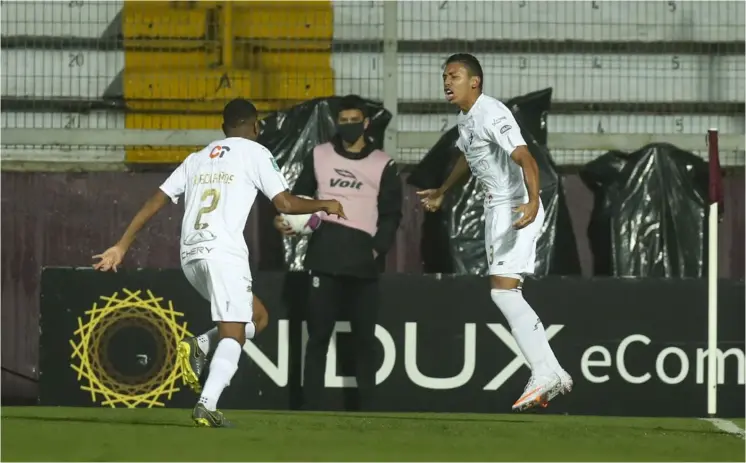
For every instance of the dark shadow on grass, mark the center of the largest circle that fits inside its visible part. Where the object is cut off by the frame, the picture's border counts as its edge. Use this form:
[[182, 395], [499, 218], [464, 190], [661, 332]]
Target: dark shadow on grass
[[660, 429], [374, 416], [382, 416], [94, 420], [486, 419]]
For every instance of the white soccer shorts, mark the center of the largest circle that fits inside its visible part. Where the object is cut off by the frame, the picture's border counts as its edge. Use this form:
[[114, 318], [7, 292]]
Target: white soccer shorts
[[226, 285], [510, 251]]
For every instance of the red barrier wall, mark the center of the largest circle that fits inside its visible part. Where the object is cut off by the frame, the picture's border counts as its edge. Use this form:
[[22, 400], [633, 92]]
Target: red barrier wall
[[60, 219]]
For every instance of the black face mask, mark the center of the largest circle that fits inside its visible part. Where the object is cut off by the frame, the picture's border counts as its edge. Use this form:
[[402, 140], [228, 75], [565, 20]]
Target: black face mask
[[350, 132]]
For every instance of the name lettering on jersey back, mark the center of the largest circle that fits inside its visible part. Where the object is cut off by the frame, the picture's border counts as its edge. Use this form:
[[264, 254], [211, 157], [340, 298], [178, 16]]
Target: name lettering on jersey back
[[219, 178]]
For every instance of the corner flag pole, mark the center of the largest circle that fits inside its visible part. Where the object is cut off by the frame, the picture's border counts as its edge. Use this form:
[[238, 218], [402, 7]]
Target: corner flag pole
[[715, 207]]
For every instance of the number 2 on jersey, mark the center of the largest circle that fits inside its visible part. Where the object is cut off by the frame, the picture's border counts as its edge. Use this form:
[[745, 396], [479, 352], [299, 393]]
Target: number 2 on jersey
[[214, 196]]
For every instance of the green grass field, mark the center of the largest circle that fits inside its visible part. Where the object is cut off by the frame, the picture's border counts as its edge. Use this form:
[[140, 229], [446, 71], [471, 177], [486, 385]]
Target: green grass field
[[94, 434]]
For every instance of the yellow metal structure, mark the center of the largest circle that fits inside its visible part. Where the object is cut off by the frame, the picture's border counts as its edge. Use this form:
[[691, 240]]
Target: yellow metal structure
[[185, 59]]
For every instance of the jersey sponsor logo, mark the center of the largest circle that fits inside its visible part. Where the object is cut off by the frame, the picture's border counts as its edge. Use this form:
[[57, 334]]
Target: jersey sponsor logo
[[198, 251], [199, 236], [505, 128], [345, 173], [219, 151], [498, 120], [348, 181], [274, 163]]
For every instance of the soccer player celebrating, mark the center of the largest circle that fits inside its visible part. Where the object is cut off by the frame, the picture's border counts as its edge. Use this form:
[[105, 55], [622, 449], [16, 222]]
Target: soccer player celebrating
[[492, 147], [219, 184]]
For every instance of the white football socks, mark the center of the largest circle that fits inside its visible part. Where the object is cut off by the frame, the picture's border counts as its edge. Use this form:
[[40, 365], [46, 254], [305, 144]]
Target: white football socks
[[528, 331], [222, 368], [209, 340]]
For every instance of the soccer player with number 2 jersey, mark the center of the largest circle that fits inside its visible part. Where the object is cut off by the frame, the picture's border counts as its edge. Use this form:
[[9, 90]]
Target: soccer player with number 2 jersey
[[219, 184]]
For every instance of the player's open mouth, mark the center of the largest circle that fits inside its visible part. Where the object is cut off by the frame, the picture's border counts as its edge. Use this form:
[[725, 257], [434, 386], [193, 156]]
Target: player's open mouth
[[449, 94]]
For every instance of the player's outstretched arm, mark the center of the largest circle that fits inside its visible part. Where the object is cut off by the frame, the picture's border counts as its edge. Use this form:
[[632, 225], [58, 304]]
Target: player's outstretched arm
[[287, 203], [271, 182], [305, 185], [432, 199], [522, 156], [112, 257]]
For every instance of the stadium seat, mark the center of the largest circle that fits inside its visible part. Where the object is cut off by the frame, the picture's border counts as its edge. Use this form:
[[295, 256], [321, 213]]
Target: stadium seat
[[175, 77], [205, 57], [294, 85], [289, 21], [158, 25], [196, 85]]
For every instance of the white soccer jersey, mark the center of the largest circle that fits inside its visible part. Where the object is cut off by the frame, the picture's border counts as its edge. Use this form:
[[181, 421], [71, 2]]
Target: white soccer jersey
[[488, 134], [219, 184]]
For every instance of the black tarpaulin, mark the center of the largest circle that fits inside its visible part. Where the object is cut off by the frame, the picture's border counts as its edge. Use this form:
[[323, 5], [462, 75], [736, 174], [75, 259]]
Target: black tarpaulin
[[649, 212]]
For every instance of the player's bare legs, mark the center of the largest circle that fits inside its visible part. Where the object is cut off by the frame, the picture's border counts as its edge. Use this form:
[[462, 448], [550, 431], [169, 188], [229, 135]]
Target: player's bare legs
[[223, 366], [548, 378], [193, 353], [207, 341]]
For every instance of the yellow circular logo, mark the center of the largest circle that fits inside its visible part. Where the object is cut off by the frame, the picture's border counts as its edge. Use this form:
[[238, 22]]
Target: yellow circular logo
[[124, 353]]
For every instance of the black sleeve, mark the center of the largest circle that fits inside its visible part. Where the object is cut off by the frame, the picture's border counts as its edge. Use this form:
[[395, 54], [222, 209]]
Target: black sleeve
[[306, 184], [389, 209]]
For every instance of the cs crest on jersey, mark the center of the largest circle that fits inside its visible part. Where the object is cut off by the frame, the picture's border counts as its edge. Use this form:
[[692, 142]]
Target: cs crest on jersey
[[469, 139]]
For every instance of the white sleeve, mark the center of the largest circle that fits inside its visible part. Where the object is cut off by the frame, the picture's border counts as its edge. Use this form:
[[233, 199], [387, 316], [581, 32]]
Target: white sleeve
[[460, 144], [175, 184], [267, 176], [502, 128]]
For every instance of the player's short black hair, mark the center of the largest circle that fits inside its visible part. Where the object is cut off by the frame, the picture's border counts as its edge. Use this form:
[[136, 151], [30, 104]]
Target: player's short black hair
[[471, 63], [352, 102], [237, 112]]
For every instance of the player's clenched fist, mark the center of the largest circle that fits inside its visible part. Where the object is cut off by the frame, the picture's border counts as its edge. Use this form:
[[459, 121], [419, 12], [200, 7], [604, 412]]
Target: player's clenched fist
[[334, 207], [431, 199], [110, 259]]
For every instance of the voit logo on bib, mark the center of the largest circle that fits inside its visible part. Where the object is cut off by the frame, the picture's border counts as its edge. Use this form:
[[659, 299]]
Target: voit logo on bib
[[635, 361], [348, 180]]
